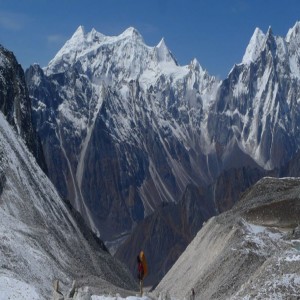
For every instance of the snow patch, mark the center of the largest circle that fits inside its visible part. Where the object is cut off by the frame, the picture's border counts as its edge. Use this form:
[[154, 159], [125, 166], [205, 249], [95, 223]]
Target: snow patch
[[14, 289], [255, 46], [294, 257]]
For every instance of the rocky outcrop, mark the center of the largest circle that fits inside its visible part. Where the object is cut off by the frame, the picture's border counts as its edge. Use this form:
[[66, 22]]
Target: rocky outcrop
[[251, 250], [15, 103]]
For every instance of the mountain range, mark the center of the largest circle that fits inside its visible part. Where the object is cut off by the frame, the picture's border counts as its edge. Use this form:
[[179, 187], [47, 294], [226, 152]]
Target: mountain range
[[143, 152], [128, 133], [117, 111]]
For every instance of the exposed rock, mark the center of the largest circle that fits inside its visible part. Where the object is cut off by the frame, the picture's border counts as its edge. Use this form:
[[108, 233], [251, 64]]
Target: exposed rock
[[57, 294], [71, 292], [247, 251], [15, 103]]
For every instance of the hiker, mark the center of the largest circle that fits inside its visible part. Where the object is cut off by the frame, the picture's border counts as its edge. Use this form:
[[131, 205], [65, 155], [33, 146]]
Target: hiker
[[142, 269], [140, 273]]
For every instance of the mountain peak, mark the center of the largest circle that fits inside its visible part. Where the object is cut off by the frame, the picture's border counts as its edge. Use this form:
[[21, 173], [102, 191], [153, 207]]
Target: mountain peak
[[293, 32], [195, 65], [270, 31], [163, 52], [131, 32], [79, 33], [162, 44], [255, 46], [94, 36]]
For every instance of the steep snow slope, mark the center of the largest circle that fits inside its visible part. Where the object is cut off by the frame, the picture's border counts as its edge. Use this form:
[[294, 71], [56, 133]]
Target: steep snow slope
[[40, 239], [249, 252]]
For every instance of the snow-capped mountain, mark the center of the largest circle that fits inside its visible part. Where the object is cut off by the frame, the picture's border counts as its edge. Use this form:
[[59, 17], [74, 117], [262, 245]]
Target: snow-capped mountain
[[124, 122], [124, 128], [249, 252], [257, 106]]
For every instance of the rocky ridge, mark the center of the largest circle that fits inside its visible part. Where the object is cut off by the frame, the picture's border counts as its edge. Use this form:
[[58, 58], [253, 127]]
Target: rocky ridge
[[15, 103], [40, 238], [249, 252]]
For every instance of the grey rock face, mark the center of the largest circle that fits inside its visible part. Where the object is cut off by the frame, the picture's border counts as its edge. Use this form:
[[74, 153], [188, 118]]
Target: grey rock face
[[15, 103], [14, 100], [250, 250]]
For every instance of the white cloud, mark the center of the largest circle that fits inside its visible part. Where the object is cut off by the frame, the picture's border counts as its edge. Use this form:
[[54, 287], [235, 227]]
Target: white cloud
[[56, 39], [13, 21]]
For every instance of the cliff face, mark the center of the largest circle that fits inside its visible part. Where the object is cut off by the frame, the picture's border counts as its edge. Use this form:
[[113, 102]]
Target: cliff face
[[15, 103], [14, 100]]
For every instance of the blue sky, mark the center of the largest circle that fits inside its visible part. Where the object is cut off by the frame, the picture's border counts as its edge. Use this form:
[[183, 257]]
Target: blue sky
[[216, 32]]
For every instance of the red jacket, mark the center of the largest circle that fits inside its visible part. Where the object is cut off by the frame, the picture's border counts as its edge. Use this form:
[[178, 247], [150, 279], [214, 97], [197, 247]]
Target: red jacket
[[140, 271]]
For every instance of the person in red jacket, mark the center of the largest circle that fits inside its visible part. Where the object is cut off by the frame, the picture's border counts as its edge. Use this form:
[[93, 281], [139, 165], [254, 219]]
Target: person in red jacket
[[140, 273]]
